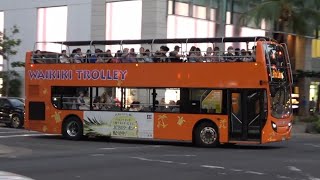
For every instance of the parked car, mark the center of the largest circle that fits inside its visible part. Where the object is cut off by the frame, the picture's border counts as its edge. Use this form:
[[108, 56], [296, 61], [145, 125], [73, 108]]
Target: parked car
[[12, 111]]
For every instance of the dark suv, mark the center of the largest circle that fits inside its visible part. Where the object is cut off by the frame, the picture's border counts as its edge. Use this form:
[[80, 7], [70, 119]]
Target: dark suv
[[12, 111]]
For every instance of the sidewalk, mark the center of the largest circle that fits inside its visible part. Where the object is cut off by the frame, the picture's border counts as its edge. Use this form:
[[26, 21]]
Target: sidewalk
[[299, 127]]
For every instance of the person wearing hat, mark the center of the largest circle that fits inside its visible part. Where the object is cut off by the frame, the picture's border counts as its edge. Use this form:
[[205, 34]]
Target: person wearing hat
[[174, 55]]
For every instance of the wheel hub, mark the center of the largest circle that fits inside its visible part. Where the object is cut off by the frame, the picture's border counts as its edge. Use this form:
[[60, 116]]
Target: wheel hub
[[73, 129], [208, 135]]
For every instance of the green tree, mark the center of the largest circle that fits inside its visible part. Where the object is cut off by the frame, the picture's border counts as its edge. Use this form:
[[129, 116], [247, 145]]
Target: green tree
[[11, 79], [301, 17]]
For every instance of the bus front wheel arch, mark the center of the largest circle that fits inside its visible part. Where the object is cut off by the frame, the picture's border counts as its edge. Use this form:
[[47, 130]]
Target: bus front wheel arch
[[206, 134], [72, 128]]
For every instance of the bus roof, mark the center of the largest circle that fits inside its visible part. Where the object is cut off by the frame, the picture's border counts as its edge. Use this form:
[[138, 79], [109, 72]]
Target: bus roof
[[163, 41]]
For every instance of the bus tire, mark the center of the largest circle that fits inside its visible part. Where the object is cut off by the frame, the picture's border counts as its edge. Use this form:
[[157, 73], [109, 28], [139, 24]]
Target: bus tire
[[72, 129], [206, 134]]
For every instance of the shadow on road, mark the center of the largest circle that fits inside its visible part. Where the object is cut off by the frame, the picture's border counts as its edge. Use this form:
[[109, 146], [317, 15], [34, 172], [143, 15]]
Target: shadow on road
[[161, 142]]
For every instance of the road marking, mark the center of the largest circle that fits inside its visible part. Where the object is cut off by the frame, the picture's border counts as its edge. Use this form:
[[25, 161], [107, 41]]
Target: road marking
[[107, 148], [156, 160], [283, 177], [165, 161], [313, 145], [292, 168], [97, 155], [254, 172], [313, 178], [236, 170], [26, 135], [183, 163], [128, 147], [8, 175], [179, 155], [212, 167]]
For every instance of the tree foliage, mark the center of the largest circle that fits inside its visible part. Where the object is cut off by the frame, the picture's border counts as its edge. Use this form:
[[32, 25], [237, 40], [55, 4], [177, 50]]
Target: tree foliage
[[8, 42], [294, 16], [11, 80]]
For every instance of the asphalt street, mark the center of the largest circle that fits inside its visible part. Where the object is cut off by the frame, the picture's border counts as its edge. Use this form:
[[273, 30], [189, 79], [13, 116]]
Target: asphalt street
[[38, 156]]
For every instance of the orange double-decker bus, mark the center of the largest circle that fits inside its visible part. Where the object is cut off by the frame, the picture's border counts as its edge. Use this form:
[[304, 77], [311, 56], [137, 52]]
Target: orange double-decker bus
[[240, 96]]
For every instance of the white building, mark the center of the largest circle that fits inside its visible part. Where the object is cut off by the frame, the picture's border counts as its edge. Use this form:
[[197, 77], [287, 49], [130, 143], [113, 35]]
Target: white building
[[72, 20]]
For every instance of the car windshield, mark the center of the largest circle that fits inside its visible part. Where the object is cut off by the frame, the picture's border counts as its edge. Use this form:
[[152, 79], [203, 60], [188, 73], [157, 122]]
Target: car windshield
[[16, 102]]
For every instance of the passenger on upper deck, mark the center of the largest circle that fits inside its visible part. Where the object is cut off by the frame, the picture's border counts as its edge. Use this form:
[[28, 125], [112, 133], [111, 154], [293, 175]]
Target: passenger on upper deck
[[108, 56], [229, 56], [129, 56], [208, 55], [246, 56], [148, 57], [174, 55], [198, 54], [216, 55], [160, 56], [142, 55], [237, 55], [64, 57], [99, 54], [192, 54], [78, 58], [38, 57]]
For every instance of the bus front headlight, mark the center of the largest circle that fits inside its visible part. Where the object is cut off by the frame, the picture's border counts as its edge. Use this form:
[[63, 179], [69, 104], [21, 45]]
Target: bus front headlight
[[274, 126]]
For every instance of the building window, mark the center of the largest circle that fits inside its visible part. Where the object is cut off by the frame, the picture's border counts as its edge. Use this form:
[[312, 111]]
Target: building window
[[52, 26], [123, 22], [199, 12], [187, 27], [316, 48], [182, 9], [213, 15], [170, 7], [1, 36]]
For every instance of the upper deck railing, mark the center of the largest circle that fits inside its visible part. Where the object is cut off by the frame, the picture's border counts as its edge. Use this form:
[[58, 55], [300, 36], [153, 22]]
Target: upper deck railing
[[124, 55]]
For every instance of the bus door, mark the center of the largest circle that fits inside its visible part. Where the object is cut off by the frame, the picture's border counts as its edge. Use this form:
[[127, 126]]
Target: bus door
[[246, 114]]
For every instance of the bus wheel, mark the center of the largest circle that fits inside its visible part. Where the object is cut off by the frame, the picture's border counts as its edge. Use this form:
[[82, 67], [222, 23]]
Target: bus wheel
[[206, 135], [72, 129]]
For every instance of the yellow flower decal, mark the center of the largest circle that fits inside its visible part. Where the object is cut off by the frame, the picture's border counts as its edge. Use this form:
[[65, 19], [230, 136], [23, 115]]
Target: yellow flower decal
[[56, 116], [161, 121], [181, 121], [223, 124], [119, 83], [272, 135], [45, 91], [44, 128]]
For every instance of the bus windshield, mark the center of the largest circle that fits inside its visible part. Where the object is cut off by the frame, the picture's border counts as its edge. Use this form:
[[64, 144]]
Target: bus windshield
[[277, 64], [280, 87], [280, 101]]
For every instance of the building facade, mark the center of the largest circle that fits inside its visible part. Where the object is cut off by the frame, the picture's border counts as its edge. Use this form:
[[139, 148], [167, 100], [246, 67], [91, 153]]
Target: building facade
[[72, 20]]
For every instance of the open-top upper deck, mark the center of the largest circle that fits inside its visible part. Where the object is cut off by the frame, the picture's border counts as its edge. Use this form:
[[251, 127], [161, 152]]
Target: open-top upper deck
[[130, 70]]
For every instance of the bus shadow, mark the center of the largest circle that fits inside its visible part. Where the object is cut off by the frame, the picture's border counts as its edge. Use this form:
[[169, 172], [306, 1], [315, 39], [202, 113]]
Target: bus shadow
[[164, 143], [250, 147]]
